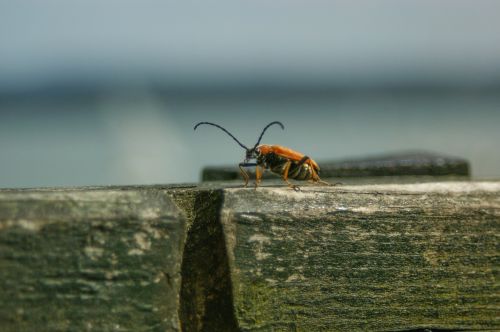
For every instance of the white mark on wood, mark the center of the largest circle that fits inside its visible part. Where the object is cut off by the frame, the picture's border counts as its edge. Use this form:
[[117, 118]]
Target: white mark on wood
[[152, 231], [149, 213], [111, 274], [258, 272], [29, 225], [114, 259], [272, 282], [365, 209], [135, 252], [93, 253], [295, 277], [259, 255], [159, 276], [259, 238], [258, 249], [250, 217], [143, 243]]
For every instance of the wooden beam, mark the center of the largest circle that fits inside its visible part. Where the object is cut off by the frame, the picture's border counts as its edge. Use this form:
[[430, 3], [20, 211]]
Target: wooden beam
[[89, 259], [383, 257], [365, 258]]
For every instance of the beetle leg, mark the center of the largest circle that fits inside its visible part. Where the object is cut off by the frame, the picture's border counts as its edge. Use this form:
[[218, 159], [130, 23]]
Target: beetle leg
[[316, 179], [285, 176], [244, 174], [258, 176]]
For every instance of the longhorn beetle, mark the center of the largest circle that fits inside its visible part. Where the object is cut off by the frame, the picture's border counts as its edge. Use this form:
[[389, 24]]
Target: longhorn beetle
[[278, 159]]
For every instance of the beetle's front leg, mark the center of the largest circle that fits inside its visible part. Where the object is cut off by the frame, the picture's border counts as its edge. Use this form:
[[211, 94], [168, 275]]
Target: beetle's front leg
[[244, 173], [258, 176]]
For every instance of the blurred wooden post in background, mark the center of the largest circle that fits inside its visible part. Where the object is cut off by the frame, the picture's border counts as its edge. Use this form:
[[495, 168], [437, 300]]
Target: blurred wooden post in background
[[394, 165]]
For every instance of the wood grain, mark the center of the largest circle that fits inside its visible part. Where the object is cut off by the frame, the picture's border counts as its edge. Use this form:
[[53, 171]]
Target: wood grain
[[89, 260], [366, 258]]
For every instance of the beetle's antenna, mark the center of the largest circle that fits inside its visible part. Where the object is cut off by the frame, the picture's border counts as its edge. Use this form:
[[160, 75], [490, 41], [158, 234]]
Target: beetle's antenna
[[265, 128], [224, 130]]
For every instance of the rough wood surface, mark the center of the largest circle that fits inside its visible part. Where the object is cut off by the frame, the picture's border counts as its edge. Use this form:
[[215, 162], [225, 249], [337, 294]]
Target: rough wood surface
[[89, 260], [366, 258], [378, 257]]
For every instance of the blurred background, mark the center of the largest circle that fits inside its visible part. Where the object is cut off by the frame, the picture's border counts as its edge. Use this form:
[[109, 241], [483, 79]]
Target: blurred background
[[95, 93]]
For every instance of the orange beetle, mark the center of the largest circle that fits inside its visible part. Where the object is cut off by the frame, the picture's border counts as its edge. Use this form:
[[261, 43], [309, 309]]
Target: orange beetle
[[287, 163]]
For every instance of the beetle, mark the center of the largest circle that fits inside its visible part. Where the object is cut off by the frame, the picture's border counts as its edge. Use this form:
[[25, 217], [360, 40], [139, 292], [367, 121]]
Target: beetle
[[287, 163]]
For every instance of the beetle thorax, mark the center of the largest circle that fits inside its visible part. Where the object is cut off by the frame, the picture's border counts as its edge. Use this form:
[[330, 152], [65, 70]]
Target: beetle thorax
[[261, 152]]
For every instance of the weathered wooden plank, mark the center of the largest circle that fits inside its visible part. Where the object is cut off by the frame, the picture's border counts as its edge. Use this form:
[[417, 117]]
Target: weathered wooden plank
[[89, 260], [374, 257], [366, 258], [398, 164]]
